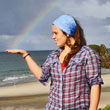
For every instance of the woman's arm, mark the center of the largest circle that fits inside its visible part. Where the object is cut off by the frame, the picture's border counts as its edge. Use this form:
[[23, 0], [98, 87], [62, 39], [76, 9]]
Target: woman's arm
[[33, 66], [95, 97]]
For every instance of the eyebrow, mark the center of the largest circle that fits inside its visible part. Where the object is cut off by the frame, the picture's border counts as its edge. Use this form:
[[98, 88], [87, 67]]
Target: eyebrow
[[54, 32]]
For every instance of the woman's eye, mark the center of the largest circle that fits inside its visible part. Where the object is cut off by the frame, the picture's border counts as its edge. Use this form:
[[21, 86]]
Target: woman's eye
[[56, 33]]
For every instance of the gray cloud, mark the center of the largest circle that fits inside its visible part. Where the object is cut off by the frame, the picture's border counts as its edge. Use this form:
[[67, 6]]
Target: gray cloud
[[17, 14], [39, 43], [96, 31], [6, 41], [103, 2], [80, 1], [17, 19]]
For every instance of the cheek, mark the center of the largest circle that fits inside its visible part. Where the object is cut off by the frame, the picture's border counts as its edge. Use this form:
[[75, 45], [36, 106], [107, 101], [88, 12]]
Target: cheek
[[63, 38], [63, 41]]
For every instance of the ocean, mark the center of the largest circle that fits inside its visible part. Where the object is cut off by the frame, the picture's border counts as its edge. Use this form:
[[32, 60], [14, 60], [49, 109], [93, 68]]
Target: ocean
[[14, 70]]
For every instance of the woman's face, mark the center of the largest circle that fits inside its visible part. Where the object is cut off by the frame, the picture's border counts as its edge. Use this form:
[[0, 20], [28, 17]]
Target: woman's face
[[58, 36]]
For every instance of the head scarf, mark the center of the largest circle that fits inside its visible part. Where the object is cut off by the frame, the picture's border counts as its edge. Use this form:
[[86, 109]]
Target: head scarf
[[66, 23]]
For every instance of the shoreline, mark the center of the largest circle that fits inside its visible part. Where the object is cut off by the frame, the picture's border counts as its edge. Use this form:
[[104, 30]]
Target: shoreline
[[16, 80], [34, 95]]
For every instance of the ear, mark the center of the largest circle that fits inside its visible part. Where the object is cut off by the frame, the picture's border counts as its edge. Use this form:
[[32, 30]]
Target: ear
[[68, 35]]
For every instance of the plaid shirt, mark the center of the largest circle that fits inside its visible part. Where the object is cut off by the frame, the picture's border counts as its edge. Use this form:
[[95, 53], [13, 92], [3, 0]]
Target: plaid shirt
[[70, 89]]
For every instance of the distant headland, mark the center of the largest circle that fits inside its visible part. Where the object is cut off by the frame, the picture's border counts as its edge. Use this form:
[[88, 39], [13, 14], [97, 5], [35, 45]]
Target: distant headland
[[103, 53]]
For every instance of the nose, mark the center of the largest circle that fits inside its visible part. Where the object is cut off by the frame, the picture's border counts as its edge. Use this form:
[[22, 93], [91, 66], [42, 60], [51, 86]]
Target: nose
[[54, 36]]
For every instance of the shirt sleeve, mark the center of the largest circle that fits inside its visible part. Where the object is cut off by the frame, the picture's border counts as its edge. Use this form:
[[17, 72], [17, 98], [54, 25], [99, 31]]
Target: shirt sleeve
[[45, 71], [93, 69]]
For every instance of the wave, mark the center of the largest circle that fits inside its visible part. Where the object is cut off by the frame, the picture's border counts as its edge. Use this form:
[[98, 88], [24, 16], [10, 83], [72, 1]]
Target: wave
[[12, 80], [16, 77], [23, 78]]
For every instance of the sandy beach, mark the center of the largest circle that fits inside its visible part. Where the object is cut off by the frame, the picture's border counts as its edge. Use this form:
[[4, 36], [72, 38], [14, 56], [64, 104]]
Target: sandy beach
[[27, 96], [105, 94], [34, 96]]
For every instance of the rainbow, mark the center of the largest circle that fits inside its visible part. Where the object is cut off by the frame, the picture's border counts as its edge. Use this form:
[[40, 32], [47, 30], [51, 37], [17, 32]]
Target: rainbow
[[30, 28]]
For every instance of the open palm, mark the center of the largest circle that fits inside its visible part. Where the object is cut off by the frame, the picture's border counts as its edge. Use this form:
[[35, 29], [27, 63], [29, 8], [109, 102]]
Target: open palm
[[16, 51]]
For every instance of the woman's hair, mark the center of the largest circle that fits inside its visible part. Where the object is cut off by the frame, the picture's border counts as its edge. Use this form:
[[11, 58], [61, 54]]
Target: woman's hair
[[79, 42]]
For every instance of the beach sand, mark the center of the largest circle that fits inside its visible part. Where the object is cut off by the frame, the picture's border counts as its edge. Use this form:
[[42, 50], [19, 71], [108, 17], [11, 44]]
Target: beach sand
[[27, 96], [34, 96], [105, 92]]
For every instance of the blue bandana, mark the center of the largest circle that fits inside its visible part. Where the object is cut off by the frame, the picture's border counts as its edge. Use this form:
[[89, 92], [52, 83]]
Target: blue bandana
[[66, 23]]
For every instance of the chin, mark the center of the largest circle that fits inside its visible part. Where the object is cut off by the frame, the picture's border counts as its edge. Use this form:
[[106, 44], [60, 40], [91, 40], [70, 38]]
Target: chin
[[59, 45]]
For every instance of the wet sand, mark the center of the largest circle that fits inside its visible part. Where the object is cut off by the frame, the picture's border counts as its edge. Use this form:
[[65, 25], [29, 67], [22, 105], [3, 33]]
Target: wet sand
[[27, 96], [33, 102]]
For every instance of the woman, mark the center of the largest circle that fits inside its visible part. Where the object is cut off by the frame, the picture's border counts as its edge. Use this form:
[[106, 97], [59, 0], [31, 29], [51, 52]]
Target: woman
[[74, 68]]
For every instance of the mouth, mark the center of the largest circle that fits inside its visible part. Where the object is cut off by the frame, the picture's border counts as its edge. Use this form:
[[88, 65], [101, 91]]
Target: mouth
[[55, 41]]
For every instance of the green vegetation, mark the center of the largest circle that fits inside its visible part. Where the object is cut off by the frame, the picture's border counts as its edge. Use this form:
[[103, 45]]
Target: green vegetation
[[103, 49], [105, 108], [103, 53], [95, 47]]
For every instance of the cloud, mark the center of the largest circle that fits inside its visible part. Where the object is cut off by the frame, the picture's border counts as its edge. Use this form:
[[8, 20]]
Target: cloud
[[17, 19], [94, 18], [96, 31], [5, 37], [108, 27], [6, 41], [16, 15], [80, 1], [103, 2], [38, 42], [87, 8]]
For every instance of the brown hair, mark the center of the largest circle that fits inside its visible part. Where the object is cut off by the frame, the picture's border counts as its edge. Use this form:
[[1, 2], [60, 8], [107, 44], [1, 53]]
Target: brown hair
[[79, 42]]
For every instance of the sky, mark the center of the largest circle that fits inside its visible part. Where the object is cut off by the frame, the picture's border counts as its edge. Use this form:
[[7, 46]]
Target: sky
[[26, 24]]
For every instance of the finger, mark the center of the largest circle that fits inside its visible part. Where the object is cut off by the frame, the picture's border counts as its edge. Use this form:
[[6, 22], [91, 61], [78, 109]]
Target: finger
[[11, 51], [7, 50]]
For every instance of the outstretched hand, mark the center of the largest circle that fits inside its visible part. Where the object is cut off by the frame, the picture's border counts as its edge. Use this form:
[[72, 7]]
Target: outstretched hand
[[17, 51]]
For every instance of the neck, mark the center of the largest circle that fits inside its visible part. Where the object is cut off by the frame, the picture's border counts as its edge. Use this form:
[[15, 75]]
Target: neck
[[64, 53], [67, 49]]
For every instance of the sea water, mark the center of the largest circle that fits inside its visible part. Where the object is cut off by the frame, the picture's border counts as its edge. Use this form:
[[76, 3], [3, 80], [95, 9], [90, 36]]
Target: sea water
[[14, 70]]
